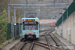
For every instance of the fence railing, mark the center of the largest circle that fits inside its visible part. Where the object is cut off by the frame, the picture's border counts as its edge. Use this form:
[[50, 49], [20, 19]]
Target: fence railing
[[13, 30]]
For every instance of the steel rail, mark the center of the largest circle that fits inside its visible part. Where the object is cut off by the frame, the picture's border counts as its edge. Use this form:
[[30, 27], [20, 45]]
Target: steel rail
[[42, 35], [57, 46], [22, 46], [48, 42], [42, 45], [53, 40], [32, 45]]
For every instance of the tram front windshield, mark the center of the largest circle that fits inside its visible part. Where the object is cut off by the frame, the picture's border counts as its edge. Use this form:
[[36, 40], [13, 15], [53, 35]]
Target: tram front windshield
[[32, 25]]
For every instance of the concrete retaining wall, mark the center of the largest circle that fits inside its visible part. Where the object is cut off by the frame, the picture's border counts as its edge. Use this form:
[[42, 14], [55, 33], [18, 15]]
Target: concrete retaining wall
[[69, 23]]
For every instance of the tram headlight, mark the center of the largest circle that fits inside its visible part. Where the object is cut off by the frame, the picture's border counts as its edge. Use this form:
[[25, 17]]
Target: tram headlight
[[36, 19]]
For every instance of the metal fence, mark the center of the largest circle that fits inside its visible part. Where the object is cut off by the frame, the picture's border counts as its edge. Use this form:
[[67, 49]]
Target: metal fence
[[13, 30], [45, 26]]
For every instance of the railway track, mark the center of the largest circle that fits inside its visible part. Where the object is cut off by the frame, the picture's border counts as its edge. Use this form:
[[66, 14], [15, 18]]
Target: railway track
[[32, 45], [51, 47], [50, 44], [22, 46]]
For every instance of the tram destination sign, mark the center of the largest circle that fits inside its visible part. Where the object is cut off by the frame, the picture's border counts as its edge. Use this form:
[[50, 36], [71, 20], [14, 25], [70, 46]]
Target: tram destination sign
[[30, 20]]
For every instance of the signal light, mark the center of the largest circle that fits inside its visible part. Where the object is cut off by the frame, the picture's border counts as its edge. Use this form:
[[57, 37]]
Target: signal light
[[23, 20]]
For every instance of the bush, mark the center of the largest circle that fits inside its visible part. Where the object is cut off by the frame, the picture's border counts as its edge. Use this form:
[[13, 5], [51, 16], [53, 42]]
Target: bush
[[3, 29]]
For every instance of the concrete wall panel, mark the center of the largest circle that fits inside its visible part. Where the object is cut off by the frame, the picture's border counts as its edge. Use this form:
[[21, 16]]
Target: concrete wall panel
[[57, 30], [64, 29], [73, 34], [69, 23], [71, 27]]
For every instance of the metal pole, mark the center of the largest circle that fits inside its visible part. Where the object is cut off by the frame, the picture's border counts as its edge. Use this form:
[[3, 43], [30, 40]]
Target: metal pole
[[9, 14], [67, 23], [15, 16], [40, 4], [67, 10], [62, 21], [40, 7], [24, 14], [51, 21], [12, 27], [12, 19], [56, 16], [15, 21], [19, 26]]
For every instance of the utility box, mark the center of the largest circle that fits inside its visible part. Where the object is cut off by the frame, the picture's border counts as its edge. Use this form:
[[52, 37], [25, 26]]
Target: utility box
[[69, 31], [69, 34]]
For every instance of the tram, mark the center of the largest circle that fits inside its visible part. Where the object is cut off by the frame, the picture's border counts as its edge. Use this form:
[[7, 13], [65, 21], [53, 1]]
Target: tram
[[30, 28]]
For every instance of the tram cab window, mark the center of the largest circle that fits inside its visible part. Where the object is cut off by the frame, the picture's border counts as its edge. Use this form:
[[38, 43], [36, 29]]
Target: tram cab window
[[30, 26]]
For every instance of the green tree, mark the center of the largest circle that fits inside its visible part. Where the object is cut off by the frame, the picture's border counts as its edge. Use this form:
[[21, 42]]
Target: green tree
[[3, 29]]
